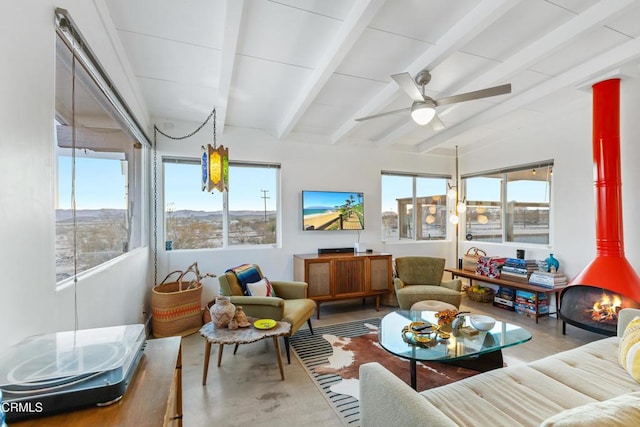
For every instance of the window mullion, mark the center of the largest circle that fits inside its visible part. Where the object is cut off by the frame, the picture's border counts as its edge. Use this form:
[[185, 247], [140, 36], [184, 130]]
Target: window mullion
[[414, 213], [503, 204], [225, 220]]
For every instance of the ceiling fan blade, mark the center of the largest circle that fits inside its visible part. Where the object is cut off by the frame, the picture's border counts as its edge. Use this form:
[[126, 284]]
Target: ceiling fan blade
[[387, 113], [407, 84], [436, 123], [484, 93]]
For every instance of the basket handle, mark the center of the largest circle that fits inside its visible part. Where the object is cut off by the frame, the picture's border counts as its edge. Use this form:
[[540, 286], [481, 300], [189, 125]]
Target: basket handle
[[168, 275], [476, 251], [193, 268]]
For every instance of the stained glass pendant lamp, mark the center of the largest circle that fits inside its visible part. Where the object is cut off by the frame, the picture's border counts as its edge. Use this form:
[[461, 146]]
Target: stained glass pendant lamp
[[215, 165]]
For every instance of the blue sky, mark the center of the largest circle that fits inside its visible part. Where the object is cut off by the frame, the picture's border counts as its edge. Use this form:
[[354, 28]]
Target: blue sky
[[100, 184], [327, 198]]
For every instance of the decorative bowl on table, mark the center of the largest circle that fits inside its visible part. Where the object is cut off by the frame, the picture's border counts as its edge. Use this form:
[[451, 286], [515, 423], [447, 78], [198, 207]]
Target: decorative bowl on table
[[481, 322]]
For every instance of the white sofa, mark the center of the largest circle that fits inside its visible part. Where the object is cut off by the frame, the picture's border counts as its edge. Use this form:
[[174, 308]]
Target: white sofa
[[541, 392]]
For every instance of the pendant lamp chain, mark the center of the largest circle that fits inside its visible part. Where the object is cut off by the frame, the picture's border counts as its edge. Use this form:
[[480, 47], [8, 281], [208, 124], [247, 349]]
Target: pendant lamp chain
[[157, 131]]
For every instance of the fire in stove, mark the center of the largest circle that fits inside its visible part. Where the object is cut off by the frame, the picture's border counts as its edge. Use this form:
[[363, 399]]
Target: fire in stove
[[606, 309]]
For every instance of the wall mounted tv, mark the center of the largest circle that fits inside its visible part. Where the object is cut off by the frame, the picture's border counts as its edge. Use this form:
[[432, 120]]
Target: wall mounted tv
[[332, 210]]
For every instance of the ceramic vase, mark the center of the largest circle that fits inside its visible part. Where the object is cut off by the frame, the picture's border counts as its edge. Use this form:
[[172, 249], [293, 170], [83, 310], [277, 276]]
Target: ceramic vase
[[222, 312], [553, 264]]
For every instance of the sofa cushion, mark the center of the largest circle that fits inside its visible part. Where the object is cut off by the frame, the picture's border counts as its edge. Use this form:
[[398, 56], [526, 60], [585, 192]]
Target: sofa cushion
[[516, 395], [620, 411], [589, 364], [629, 349]]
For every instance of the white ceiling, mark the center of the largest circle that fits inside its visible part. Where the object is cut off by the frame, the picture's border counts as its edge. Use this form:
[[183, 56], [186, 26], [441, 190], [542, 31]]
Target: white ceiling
[[299, 67]]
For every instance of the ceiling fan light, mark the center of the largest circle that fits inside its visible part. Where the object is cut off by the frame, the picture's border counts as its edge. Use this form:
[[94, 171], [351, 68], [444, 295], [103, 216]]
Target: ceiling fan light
[[422, 112]]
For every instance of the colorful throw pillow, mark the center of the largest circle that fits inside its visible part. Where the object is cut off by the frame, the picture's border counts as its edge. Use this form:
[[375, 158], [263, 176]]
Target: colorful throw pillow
[[246, 273], [261, 288], [629, 349]]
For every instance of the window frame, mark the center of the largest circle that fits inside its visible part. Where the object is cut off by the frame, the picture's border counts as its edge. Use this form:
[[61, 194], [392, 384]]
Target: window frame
[[416, 202], [225, 203], [507, 229], [95, 81]]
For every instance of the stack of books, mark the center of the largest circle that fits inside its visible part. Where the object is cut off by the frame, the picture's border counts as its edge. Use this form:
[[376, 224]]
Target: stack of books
[[517, 269], [547, 279], [505, 298], [526, 304]]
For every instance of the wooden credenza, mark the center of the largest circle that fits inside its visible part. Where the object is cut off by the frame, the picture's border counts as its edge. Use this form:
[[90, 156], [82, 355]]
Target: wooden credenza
[[333, 277], [154, 397]]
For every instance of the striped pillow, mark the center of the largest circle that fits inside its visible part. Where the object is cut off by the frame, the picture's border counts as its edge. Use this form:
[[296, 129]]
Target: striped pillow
[[262, 288], [629, 350]]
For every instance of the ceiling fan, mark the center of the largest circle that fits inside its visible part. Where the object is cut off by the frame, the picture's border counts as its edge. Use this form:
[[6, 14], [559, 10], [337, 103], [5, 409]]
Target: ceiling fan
[[423, 108]]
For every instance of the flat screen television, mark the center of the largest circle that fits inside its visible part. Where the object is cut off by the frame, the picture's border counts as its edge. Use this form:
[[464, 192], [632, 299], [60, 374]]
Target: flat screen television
[[332, 210]]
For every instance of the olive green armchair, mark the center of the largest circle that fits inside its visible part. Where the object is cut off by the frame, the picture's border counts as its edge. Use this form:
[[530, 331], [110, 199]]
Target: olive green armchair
[[419, 278], [290, 304]]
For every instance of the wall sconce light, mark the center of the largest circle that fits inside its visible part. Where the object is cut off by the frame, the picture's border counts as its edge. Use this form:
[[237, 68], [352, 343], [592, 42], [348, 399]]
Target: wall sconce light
[[461, 207], [452, 193], [454, 219], [430, 219]]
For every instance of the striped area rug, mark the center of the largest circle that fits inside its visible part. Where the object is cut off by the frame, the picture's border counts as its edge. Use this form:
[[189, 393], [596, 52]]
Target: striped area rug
[[314, 351]]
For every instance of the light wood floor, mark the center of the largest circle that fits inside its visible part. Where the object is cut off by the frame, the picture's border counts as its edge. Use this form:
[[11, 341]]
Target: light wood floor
[[247, 388]]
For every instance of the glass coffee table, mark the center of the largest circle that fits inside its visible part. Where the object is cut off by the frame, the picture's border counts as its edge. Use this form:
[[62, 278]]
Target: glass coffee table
[[479, 352]]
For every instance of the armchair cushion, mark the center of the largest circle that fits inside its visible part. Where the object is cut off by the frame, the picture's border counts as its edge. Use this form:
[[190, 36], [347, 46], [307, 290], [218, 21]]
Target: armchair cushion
[[261, 307], [290, 305], [420, 278]]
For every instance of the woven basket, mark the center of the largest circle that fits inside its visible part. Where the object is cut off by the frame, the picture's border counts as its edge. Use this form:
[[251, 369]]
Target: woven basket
[[176, 307], [471, 257], [481, 296]]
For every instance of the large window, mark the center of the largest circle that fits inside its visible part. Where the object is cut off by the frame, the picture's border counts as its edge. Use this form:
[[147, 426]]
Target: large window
[[98, 164], [414, 207], [195, 219], [510, 205]]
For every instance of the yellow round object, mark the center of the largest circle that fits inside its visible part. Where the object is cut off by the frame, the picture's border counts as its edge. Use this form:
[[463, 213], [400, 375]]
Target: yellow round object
[[264, 323]]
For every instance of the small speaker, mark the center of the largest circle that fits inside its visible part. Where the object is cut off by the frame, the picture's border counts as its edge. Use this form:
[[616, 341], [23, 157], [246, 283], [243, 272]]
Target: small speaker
[[324, 251]]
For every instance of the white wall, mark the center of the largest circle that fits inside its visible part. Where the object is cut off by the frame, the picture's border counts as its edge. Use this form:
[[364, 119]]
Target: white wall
[[29, 301]]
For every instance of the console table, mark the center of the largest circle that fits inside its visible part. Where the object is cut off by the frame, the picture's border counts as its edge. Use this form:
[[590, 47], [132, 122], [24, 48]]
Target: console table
[[456, 272], [154, 397], [338, 276]]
